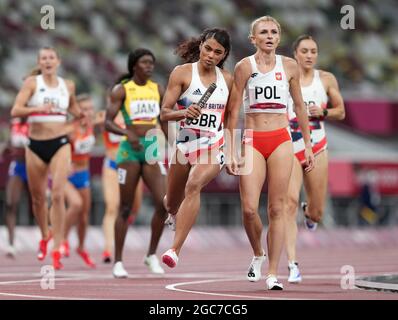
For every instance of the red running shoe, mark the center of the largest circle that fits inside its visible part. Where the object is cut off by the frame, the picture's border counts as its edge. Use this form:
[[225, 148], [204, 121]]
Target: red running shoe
[[64, 249], [57, 260], [86, 258], [43, 247]]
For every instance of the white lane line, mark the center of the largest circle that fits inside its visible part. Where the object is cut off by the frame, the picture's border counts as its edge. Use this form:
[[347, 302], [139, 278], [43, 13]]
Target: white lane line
[[175, 287]]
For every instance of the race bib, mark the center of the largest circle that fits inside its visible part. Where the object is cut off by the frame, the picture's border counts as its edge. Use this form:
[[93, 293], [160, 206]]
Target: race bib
[[144, 109], [84, 146], [208, 121]]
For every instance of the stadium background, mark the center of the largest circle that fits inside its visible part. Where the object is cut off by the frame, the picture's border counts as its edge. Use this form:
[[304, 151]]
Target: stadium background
[[94, 37]]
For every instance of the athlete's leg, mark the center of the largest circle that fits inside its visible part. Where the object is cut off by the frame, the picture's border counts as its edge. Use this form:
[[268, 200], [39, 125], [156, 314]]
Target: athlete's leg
[[315, 183], [37, 172], [279, 168], [129, 174], [293, 195], [111, 193], [83, 218], [14, 188], [74, 203], [59, 169], [137, 201], [200, 175], [176, 180], [250, 186], [156, 183]]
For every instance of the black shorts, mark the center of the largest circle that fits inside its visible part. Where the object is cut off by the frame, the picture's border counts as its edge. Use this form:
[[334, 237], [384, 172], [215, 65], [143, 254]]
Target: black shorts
[[46, 149]]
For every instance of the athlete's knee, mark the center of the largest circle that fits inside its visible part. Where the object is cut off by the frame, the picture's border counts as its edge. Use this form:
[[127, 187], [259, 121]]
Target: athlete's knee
[[193, 187], [125, 211], [38, 199], [276, 210], [111, 209], [75, 205], [11, 207], [249, 212], [291, 208], [315, 213], [57, 196]]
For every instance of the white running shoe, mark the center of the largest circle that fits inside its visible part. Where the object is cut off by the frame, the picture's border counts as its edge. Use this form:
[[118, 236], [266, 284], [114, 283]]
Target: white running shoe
[[170, 258], [254, 271], [118, 270], [273, 283], [153, 264], [171, 221], [294, 273], [11, 252], [308, 223]]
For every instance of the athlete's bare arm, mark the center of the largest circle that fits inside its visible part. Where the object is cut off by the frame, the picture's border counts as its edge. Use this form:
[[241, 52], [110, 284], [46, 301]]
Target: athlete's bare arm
[[74, 107], [20, 108], [337, 110], [241, 75], [295, 91], [163, 124], [117, 97], [175, 87]]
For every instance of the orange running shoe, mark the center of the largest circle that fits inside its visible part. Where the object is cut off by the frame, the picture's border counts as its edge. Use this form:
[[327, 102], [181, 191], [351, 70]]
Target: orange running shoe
[[106, 257], [86, 258], [57, 260], [43, 247]]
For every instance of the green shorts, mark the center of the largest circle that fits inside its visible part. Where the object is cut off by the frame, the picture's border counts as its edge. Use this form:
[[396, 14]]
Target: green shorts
[[149, 152]]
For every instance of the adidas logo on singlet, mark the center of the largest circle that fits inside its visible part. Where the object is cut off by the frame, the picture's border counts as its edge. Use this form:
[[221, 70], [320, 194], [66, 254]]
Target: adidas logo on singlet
[[254, 75], [197, 92], [42, 90]]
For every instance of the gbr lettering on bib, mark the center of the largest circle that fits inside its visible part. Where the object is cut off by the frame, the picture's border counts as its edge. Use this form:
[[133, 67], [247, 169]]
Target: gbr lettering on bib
[[208, 121], [144, 109]]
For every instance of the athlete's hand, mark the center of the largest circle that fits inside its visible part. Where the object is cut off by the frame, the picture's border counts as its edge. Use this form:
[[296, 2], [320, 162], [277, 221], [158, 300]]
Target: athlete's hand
[[309, 159], [134, 141], [232, 167], [315, 111], [193, 111], [44, 108]]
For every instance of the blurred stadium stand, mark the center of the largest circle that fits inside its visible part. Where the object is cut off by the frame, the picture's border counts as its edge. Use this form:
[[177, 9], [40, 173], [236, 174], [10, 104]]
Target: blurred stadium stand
[[94, 37]]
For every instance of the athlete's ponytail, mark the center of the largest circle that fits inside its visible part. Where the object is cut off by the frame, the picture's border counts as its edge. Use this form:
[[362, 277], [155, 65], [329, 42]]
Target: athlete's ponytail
[[133, 57], [189, 50], [34, 72]]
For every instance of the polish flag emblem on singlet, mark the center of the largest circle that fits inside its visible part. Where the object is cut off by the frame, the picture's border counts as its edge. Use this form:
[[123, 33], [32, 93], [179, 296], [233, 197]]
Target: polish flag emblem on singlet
[[278, 75]]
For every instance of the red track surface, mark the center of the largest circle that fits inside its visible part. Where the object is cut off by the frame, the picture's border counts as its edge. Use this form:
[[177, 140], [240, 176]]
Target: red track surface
[[202, 273]]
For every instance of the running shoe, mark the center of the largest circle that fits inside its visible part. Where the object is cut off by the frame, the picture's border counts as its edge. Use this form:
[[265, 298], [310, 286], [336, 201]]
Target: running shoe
[[153, 264], [308, 223], [118, 270], [294, 273], [254, 271], [171, 222], [86, 258], [106, 257], [43, 247], [64, 249], [56, 255], [170, 258], [273, 283], [11, 252]]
